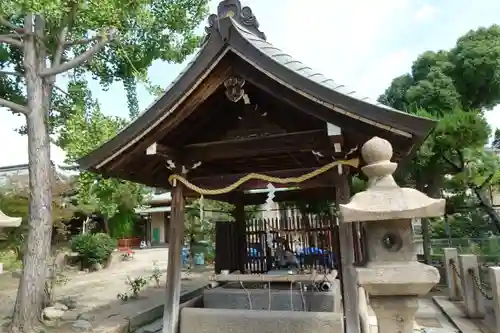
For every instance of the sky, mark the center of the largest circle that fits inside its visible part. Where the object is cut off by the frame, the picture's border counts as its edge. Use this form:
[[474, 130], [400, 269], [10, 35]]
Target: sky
[[362, 44]]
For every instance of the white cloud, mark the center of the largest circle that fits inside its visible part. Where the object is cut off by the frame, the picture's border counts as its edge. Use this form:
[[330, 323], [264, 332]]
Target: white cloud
[[425, 13], [385, 68], [493, 117], [14, 148], [336, 37]]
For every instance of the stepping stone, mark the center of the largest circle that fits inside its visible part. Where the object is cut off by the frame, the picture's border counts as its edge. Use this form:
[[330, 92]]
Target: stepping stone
[[82, 325]]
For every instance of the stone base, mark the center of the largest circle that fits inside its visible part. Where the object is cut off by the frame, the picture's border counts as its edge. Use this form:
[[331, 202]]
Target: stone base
[[310, 301], [193, 320], [386, 279], [395, 313]]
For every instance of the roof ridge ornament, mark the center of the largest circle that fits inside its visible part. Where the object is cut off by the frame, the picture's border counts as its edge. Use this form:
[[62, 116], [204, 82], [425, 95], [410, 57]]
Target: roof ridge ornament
[[242, 15], [234, 88]]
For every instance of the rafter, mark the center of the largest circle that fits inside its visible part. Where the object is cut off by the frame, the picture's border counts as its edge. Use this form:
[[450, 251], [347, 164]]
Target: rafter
[[203, 91], [258, 146]]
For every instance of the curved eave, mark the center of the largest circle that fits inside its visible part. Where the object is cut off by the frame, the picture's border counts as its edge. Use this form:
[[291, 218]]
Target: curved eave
[[161, 108], [290, 72], [276, 64]]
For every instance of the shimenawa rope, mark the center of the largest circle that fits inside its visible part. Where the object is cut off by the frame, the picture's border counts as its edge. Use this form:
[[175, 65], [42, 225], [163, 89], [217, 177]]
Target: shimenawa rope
[[270, 179]]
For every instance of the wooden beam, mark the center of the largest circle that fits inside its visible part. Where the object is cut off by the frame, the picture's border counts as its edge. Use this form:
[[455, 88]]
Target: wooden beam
[[219, 181], [348, 124], [347, 270], [174, 266], [161, 150], [240, 229], [250, 147]]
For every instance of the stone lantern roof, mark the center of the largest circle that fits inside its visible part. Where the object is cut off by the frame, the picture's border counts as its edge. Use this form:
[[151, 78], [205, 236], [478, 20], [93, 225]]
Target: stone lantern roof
[[8, 221]]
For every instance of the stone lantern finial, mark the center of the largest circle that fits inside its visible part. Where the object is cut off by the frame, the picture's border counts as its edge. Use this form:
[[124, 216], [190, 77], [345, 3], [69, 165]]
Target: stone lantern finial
[[384, 199], [392, 276], [377, 154]]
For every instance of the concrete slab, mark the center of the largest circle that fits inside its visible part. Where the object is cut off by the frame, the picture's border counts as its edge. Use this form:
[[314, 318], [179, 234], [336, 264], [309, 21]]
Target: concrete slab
[[151, 328], [429, 319], [431, 316]]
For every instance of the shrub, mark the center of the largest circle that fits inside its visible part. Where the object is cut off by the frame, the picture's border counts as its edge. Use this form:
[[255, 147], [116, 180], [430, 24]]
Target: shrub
[[93, 248], [210, 255]]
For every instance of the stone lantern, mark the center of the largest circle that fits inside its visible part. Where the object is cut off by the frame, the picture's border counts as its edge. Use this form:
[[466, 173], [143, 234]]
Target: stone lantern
[[8, 222], [392, 276]]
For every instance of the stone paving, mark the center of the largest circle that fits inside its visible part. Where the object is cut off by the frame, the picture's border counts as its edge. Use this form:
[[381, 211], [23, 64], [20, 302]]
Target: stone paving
[[97, 291], [455, 311], [430, 318]]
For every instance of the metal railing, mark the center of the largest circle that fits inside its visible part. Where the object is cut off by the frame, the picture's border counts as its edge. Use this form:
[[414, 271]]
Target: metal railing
[[456, 277], [481, 287]]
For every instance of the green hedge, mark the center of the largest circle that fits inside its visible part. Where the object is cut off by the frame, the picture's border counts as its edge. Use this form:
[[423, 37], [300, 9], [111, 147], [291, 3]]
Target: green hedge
[[93, 248]]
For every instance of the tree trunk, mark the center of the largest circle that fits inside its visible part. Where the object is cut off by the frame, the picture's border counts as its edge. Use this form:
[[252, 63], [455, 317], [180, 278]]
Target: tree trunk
[[485, 202], [106, 225], [191, 250], [85, 225], [433, 191], [31, 292], [426, 242]]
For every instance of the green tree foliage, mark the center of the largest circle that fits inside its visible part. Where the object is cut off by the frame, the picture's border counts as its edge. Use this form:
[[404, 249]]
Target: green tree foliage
[[86, 129], [455, 87], [93, 248], [479, 172], [126, 38], [472, 225], [45, 38], [197, 225], [202, 215]]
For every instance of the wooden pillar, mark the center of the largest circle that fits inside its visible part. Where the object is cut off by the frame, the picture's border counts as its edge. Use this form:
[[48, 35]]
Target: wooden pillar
[[148, 230], [240, 230], [346, 260], [174, 266], [357, 242], [363, 242], [165, 226]]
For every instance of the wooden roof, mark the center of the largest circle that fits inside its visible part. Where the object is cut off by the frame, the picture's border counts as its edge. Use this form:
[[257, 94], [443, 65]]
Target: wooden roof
[[235, 45]]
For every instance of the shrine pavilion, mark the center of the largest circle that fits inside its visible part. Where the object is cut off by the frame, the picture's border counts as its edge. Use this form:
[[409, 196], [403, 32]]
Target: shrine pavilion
[[243, 106]]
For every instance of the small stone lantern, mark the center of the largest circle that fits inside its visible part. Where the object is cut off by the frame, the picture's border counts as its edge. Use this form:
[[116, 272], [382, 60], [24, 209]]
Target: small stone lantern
[[392, 276], [8, 222]]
